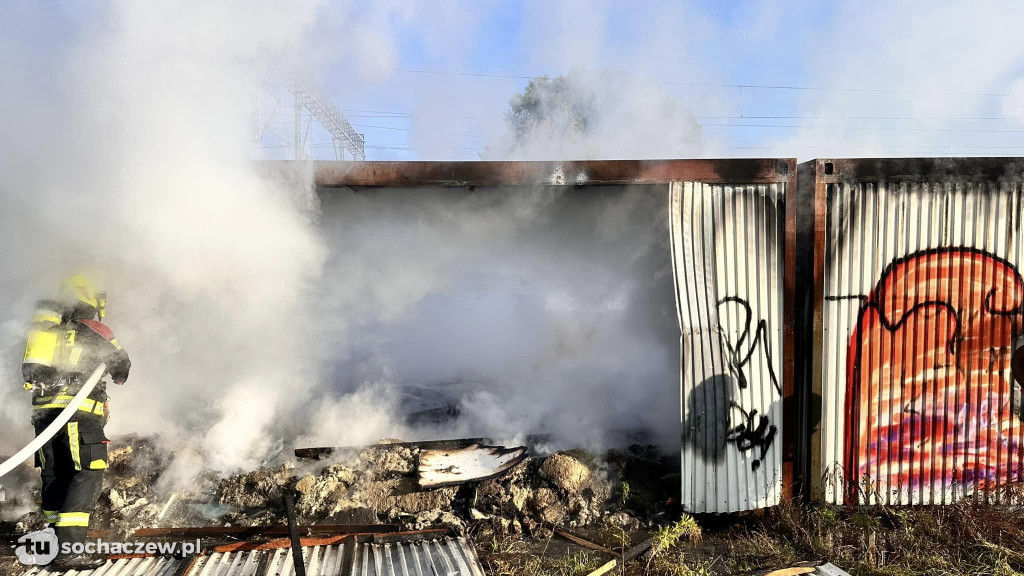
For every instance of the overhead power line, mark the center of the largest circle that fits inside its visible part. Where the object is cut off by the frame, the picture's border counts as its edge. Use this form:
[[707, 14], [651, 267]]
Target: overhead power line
[[868, 128], [738, 85]]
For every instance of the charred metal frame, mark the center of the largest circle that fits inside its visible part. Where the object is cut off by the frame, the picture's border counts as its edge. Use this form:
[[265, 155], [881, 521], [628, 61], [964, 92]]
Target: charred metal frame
[[575, 173], [815, 177], [606, 173]]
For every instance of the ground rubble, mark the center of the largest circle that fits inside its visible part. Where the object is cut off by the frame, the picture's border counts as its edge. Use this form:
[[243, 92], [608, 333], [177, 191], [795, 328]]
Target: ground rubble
[[376, 484]]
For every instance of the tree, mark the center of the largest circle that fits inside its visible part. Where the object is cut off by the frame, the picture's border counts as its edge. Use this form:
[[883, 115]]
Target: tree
[[551, 108], [591, 114]]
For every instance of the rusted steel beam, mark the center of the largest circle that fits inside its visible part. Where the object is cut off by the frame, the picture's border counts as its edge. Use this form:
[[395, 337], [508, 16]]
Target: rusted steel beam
[[397, 537], [280, 543], [790, 410], [833, 170], [251, 531], [802, 210], [569, 173]]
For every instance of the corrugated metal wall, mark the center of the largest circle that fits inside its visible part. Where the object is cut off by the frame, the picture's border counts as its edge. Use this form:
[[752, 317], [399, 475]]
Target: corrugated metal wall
[[922, 299], [727, 247]]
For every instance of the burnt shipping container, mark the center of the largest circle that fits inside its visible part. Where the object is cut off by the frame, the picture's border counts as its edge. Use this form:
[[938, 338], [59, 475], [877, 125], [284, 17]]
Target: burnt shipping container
[[905, 343], [732, 249]]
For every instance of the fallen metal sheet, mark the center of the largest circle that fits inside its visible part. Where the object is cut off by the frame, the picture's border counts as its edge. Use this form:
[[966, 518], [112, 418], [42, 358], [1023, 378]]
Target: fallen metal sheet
[[316, 453], [439, 468], [447, 555]]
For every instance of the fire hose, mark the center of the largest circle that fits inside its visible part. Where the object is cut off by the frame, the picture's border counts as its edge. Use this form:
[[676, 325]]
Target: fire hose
[[62, 419]]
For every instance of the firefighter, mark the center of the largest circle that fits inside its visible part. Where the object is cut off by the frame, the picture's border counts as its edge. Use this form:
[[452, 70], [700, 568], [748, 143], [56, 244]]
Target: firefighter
[[65, 344]]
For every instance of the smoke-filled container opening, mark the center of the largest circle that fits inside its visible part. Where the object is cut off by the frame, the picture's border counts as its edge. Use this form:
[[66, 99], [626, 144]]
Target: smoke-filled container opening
[[498, 311]]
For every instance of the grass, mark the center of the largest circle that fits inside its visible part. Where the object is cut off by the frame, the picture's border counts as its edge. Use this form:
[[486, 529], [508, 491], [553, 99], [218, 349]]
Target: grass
[[668, 536], [677, 565], [574, 564], [963, 539], [960, 539]]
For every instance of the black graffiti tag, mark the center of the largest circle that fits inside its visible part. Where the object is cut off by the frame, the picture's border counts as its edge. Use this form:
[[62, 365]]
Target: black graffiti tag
[[753, 432], [738, 356]]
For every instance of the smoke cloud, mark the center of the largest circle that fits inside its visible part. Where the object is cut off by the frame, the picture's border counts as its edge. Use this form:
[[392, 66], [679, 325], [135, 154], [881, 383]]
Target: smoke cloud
[[532, 310], [125, 156], [255, 318]]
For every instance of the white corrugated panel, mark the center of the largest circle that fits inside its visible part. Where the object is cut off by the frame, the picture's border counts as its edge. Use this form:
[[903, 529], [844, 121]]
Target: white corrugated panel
[[445, 556], [922, 296], [727, 247], [153, 566]]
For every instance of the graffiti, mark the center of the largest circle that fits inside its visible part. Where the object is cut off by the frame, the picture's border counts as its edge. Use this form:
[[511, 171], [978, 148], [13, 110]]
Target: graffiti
[[709, 428], [712, 405], [929, 395], [738, 356], [753, 432]]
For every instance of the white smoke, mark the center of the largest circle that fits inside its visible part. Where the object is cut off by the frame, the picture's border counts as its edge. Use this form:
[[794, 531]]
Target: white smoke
[[915, 79], [535, 310], [126, 157]]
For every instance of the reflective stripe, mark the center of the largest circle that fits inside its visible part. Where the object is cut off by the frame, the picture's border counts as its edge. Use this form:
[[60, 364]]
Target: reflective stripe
[[76, 355], [42, 463], [61, 401], [73, 442], [50, 316], [97, 465], [51, 515], [73, 519]]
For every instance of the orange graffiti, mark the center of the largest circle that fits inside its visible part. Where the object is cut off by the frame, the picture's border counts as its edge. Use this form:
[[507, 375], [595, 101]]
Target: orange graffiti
[[929, 399]]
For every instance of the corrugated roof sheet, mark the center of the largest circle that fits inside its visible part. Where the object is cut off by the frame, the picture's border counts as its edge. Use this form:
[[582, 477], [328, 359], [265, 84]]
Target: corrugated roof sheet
[[446, 556], [154, 566]]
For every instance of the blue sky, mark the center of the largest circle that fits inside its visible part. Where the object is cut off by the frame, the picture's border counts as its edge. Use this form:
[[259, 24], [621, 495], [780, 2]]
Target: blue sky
[[865, 54], [899, 78], [717, 43]]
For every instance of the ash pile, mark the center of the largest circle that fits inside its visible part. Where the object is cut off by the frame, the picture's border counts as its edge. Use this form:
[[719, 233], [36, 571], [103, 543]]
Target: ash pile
[[468, 486]]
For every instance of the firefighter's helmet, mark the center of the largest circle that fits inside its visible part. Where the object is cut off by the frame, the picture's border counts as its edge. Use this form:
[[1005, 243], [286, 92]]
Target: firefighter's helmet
[[83, 297]]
